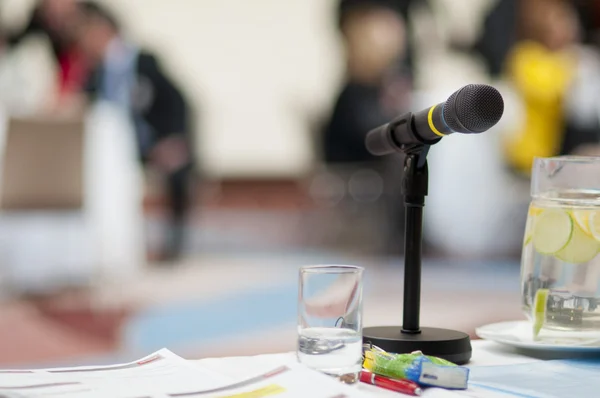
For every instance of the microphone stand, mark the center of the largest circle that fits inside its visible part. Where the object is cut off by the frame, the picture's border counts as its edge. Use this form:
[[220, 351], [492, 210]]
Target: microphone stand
[[451, 345]]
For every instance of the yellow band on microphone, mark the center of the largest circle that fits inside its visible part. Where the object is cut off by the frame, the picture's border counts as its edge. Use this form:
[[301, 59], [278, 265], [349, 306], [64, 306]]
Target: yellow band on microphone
[[431, 125]]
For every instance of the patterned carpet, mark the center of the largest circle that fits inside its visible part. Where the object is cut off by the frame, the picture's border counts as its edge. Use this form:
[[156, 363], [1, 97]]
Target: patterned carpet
[[236, 294], [244, 304]]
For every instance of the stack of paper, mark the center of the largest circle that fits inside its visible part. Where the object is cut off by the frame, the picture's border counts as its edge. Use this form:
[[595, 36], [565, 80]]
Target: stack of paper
[[165, 375]]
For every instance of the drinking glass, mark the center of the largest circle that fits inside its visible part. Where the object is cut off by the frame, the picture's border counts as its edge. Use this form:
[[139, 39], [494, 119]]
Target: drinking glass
[[330, 320], [560, 266]]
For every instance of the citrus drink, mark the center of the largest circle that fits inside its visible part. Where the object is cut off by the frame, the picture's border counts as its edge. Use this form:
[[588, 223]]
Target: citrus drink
[[560, 269]]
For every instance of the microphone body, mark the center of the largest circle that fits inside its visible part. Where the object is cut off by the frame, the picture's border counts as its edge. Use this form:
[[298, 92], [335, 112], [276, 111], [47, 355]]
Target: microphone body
[[471, 110]]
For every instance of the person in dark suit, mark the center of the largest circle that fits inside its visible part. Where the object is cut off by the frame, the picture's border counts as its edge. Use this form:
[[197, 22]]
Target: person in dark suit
[[133, 79], [376, 89], [377, 83]]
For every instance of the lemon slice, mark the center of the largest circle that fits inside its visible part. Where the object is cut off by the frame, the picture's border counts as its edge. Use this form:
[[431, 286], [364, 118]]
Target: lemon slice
[[535, 211], [528, 230], [580, 249], [552, 231], [594, 224], [582, 218], [531, 215], [539, 310]]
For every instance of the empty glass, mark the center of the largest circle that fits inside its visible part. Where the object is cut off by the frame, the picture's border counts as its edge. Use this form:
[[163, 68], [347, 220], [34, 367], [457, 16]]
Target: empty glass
[[330, 320], [560, 267]]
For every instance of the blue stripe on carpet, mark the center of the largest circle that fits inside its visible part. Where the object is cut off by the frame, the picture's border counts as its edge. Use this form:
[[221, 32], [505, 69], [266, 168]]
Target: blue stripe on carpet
[[181, 324], [201, 321]]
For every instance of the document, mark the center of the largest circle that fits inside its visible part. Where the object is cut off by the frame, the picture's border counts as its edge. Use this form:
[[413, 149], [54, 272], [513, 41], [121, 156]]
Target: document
[[287, 381], [166, 375], [156, 375]]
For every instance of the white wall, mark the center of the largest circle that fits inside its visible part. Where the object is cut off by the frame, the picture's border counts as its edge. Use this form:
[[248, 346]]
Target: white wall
[[258, 69]]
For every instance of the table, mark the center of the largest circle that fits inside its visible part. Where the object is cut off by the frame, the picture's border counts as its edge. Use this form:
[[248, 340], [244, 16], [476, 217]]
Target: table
[[485, 353]]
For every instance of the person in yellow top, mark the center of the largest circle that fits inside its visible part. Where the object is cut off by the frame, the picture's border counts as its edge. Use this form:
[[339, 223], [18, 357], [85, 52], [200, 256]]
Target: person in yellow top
[[541, 68]]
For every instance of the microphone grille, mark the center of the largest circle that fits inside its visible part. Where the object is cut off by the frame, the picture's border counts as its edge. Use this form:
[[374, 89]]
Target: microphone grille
[[474, 108]]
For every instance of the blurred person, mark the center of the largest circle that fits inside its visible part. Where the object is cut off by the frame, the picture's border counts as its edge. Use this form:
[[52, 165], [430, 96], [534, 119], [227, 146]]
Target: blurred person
[[504, 17], [493, 47], [375, 90], [404, 8], [55, 19], [133, 79], [589, 15], [541, 68]]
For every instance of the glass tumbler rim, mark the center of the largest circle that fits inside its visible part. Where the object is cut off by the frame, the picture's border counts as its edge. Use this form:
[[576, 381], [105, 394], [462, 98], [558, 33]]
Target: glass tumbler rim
[[331, 269]]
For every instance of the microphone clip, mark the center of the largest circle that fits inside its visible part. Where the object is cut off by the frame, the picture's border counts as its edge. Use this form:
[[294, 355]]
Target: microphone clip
[[415, 179], [412, 143]]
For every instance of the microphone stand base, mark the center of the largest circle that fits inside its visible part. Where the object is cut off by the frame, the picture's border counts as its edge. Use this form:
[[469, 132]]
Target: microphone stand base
[[451, 345]]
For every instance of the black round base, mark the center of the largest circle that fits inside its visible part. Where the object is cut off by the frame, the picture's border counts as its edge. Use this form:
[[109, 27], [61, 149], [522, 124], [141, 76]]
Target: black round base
[[448, 344]]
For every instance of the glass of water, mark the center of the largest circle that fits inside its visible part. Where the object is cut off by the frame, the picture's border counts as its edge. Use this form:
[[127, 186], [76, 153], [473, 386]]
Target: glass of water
[[330, 320], [560, 268]]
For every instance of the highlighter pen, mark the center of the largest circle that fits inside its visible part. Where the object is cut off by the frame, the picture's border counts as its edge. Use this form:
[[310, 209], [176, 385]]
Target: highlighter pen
[[397, 385]]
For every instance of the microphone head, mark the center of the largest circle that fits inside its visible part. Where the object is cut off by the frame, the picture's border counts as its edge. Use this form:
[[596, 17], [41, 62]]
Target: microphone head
[[474, 108]]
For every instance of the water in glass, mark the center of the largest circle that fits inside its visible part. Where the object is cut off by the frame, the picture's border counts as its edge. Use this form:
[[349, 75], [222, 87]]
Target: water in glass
[[330, 320], [560, 268]]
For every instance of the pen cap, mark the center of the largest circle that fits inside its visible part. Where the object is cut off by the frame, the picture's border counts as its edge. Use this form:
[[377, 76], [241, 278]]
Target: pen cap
[[366, 377]]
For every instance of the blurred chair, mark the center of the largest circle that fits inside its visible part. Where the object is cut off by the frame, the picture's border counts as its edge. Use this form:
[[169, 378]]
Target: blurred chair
[[65, 204], [42, 227]]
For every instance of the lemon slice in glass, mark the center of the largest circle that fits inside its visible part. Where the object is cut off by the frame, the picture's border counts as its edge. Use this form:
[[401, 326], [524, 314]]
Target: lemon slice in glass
[[582, 218], [531, 215], [539, 310], [552, 231], [535, 211], [594, 224], [580, 249], [528, 231]]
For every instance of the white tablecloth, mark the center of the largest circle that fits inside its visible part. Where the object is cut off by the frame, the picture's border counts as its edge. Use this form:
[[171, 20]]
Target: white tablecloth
[[485, 353]]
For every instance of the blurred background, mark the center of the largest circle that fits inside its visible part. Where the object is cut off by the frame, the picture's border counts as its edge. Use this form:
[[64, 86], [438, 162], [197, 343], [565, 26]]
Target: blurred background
[[166, 167]]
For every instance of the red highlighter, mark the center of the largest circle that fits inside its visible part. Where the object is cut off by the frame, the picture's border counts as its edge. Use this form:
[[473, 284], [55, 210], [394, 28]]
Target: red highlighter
[[397, 385]]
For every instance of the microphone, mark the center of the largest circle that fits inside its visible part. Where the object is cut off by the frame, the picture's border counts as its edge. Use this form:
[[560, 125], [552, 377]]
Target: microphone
[[473, 109]]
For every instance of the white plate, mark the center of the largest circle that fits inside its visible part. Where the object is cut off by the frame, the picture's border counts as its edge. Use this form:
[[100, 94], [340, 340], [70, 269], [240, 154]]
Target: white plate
[[520, 334]]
